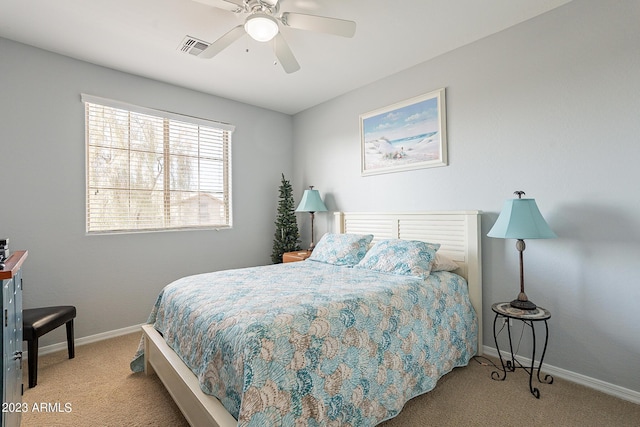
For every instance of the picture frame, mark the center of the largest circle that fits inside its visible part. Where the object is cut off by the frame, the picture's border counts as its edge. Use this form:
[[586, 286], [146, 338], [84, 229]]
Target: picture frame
[[407, 135]]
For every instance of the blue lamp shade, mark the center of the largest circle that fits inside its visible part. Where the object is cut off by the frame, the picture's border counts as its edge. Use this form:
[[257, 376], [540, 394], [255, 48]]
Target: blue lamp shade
[[521, 219], [311, 202]]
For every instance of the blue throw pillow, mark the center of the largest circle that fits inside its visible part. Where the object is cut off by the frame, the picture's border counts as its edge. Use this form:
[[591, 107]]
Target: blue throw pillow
[[341, 249], [405, 257]]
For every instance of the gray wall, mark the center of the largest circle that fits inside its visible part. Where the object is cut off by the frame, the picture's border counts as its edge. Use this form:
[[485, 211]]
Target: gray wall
[[550, 107], [113, 280]]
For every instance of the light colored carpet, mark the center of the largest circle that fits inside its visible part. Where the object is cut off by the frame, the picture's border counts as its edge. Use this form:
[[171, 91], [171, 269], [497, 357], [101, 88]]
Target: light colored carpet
[[98, 389]]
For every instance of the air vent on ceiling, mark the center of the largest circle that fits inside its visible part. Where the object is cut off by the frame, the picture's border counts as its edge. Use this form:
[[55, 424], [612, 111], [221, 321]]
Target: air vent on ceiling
[[192, 45]]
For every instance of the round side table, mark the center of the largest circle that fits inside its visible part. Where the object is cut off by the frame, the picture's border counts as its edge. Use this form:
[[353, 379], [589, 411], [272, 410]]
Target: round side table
[[504, 310]]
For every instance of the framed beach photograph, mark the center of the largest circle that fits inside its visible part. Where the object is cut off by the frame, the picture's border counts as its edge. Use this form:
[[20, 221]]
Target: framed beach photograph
[[408, 135]]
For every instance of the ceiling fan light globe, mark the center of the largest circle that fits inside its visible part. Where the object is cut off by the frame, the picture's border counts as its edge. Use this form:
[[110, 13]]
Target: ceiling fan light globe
[[261, 27]]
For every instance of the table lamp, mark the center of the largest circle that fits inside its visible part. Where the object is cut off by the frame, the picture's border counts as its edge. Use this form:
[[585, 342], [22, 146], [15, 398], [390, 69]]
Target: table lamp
[[521, 219], [312, 203]]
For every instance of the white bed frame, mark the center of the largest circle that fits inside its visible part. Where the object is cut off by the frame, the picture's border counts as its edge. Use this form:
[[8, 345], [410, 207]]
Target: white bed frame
[[458, 233]]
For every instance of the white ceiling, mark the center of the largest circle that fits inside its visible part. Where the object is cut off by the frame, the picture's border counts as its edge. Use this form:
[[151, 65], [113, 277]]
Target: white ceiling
[[142, 37]]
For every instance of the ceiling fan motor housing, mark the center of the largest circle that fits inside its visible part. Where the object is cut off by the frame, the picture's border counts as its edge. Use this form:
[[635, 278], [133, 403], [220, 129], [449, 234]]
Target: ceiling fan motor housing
[[265, 6]]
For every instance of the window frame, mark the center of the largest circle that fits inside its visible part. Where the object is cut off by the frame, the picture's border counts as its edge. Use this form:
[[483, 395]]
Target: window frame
[[169, 121]]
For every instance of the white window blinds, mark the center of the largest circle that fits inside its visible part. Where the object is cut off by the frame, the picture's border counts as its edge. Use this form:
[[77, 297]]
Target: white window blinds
[[154, 170]]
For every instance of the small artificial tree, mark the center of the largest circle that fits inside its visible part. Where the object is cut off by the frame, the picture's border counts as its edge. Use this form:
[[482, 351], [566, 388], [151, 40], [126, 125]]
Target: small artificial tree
[[287, 236]]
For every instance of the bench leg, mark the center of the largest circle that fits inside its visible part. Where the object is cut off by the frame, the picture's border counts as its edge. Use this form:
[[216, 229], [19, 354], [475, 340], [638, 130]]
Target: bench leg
[[70, 342], [33, 362]]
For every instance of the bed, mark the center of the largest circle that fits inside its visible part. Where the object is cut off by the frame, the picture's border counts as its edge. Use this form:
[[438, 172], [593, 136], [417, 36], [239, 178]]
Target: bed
[[346, 345]]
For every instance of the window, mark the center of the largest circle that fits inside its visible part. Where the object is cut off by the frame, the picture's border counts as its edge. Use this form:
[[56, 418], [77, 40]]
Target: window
[[154, 170]]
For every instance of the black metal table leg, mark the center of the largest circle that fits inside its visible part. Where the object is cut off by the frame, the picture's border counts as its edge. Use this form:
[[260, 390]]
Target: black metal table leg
[[532, 389], [511, 364], [495, 374], [548, 379]]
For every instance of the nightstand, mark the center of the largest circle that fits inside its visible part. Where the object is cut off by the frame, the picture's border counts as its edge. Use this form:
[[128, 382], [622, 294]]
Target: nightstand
[[504, 314], [295, 256]]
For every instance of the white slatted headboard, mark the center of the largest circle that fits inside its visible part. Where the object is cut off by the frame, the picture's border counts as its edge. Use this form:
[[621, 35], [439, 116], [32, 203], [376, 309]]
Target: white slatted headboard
[[458, 233]]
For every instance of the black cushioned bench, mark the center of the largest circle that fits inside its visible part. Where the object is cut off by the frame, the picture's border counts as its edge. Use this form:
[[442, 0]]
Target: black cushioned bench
[[38, 321]]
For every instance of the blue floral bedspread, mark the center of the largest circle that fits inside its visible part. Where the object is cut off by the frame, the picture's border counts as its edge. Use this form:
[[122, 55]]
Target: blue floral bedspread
[[314, 344]]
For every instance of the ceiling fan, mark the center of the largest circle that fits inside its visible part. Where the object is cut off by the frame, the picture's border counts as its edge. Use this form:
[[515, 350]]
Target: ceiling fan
[[263, 24]]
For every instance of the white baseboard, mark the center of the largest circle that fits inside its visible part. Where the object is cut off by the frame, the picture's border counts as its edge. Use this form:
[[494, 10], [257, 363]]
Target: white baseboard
[[88, 340], [605, 387]]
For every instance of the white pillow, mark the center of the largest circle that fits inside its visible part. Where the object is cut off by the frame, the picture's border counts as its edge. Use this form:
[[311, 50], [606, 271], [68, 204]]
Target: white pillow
[[444, 263]]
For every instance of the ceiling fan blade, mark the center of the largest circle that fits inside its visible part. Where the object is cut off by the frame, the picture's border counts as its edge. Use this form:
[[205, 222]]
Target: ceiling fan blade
[[223, 42], [230, 5], [301, 21], [284, 54]]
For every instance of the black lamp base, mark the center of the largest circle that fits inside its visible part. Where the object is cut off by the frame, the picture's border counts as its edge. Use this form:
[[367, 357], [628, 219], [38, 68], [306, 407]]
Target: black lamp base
[[523, 305]]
